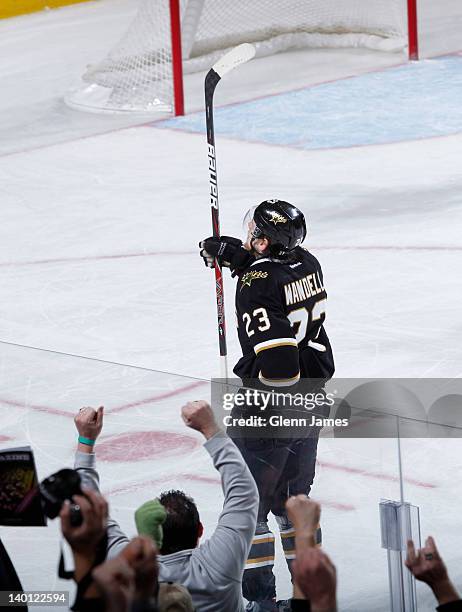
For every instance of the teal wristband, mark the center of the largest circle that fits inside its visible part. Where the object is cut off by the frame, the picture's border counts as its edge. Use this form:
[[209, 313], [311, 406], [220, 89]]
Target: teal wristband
[[86, 441]]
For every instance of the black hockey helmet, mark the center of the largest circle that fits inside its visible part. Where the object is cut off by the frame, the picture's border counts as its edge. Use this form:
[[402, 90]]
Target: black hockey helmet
[[282, 223]]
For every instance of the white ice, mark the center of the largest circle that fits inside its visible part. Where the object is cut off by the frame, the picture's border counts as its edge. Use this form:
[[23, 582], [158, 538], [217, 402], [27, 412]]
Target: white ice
[[100, 224]]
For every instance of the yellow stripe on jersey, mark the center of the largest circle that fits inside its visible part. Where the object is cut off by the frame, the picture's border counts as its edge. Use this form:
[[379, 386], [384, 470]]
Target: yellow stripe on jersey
[[263, 540], [263, 346], [264, 560], [279, 382], [289, 554], [263, 536], [288, 534]]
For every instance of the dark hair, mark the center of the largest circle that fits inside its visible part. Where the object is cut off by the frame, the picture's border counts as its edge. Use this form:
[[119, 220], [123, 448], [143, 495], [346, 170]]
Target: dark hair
[[181, 527]]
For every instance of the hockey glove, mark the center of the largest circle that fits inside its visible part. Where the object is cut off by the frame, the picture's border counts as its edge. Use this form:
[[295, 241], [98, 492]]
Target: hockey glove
[[229, 252]]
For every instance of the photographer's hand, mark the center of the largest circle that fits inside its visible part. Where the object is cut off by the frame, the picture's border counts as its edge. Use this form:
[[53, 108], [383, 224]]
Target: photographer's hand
[[89, 423], [84, 539]]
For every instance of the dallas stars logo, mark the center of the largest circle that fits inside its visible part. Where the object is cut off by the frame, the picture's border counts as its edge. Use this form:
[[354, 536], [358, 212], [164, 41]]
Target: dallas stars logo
[[277, 218], [248, 277]]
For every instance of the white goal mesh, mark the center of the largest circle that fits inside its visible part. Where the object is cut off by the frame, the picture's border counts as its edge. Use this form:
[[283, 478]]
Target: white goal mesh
[[137, 73]]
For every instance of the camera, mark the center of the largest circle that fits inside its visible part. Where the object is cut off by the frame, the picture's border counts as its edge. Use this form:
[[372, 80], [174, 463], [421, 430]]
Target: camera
[[58, 488]]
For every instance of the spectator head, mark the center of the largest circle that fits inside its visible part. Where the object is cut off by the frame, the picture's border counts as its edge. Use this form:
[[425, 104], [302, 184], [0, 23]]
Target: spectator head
[[174, 598], [182, 528]]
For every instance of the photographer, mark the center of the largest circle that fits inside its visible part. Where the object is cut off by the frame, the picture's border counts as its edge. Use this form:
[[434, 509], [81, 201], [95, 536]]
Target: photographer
[[126, 582], [88, 544]]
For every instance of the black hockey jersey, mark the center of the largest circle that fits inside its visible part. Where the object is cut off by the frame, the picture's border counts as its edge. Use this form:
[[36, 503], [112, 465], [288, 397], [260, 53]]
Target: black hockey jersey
[[281, 308]]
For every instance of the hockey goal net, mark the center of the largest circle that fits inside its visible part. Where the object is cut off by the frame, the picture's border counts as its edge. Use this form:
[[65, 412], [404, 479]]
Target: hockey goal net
[[139, 72]]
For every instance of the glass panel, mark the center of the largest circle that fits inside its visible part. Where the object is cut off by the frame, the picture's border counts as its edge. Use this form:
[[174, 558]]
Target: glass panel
[[145, 448], [431, 474]]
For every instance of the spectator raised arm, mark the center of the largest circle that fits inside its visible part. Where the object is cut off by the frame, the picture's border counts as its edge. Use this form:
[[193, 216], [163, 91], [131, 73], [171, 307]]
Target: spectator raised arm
[[427, 566], [315, 575], [141, 555], [129, 582], [115, 580], [212, 572], [89, 424]]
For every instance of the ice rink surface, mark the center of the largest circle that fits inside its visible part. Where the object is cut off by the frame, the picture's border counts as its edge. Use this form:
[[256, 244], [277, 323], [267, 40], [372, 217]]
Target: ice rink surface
[[98, 258]]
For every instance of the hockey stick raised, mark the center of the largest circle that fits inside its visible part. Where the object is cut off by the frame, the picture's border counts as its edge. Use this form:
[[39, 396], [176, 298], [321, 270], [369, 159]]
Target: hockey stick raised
[[234, 58]]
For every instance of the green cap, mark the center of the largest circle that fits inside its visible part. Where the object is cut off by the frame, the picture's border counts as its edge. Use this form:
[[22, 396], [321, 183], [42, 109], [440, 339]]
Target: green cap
[[149, 519]]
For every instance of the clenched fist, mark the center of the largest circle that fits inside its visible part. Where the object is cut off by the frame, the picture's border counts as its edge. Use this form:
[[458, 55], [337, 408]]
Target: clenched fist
[[199, 416], [304, 514], [89, 422]]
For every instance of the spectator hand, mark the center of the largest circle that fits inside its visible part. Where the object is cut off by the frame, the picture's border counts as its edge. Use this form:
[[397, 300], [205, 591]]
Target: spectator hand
[[304, 514], [116, 581], [199, 416], [141, 555], [426, 565], [84, 539], [316, 577], [89, 422]]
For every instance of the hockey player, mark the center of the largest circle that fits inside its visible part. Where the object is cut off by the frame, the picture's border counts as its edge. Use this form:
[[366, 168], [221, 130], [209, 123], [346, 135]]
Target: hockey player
[[280, 307]]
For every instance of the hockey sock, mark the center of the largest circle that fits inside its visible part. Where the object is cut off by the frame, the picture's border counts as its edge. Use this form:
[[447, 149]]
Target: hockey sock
[[258, 583]]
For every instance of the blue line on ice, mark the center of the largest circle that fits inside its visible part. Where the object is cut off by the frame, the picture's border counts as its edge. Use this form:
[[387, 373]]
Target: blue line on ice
[[416, 100]]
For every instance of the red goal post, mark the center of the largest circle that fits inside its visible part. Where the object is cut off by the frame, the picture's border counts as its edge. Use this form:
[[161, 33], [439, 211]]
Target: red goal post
[[177, 57], [412, 30]]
